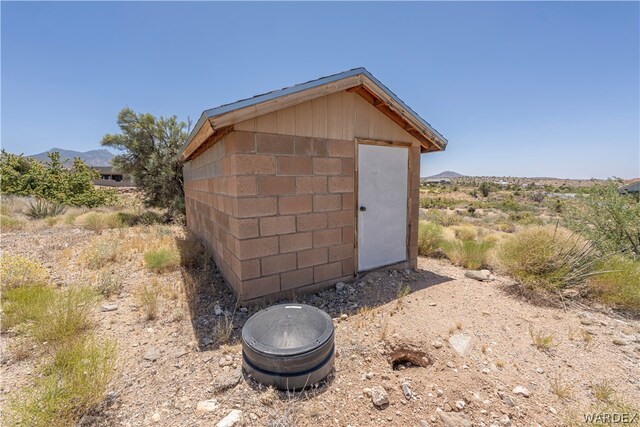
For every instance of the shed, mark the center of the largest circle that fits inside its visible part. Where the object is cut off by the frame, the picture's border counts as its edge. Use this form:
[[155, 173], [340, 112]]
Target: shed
[[297, 189]]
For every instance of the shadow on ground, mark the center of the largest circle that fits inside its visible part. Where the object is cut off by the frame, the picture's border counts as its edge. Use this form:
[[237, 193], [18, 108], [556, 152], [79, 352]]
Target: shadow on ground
[[217, 319]]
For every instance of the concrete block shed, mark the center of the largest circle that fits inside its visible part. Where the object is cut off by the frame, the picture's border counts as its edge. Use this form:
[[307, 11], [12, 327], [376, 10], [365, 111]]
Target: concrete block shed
[[297, 189]]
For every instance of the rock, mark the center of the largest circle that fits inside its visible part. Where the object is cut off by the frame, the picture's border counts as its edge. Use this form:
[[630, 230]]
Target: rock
[[152, 355], [621, 341], [460, 405], [109, 307], [505, 398], [367, 392], [447, 407], [231, 419], [453, 419], [540, 370], [227, 380], [439, 392], [368, 375], [156, 417], [505, 421], [437, 344], [481, 275], [408, 394], [207, 406], [379, 397], [522, 391], [461, 343], [486, 371], [344, 317], [225, 361], [340, 286], [217, 310]]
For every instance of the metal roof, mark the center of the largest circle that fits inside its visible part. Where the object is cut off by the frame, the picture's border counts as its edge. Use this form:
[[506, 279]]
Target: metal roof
[[226, 108]]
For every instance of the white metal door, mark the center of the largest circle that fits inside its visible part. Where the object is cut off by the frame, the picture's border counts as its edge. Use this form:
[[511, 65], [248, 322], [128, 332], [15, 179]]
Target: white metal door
[[382, 205]]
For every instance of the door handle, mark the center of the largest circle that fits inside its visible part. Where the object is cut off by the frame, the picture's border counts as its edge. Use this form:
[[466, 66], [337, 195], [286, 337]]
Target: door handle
[[362, 208]]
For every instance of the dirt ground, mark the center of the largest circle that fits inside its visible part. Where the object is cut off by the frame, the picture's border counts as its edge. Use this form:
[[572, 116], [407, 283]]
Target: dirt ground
[[166, 366]]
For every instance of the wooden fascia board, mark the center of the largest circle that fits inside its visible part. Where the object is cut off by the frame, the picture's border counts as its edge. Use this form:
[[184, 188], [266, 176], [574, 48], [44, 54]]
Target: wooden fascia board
[[267, 107], [199, 138], [213, 138]]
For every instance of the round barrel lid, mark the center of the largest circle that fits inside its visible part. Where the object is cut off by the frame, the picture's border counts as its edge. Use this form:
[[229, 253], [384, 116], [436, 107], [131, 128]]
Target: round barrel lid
[[287, 329]]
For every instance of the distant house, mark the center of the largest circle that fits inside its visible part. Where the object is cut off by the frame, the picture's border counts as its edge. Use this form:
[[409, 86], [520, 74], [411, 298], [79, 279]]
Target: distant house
[[111, 177], [633, 188], [426, 181]]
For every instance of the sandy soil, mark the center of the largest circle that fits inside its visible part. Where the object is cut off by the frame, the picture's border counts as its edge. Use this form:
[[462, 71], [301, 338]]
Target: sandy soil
[[441, 302]]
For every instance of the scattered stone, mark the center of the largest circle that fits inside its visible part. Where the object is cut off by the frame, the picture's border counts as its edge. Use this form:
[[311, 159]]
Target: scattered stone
[[217, 310], [231, 419], [486, 371], [225, 361], [461, 343], [155, 417], [460, 405], [109, 307], [367, 392], [437, 344], [450, 364], [340, 286], [540, 370], [227, 380], [505, 420], [522, 391], [344, 317], [207, 406], [481, 275], [379, 397], [432, 304], [552, 410], [505, 398], [152, 355], [447, 407], [368, 375], [439, 392], [453, 419], [621, 341], [408, 394]]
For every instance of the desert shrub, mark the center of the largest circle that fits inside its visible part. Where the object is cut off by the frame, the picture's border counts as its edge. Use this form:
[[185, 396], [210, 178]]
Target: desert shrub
[[618, 284], [471, 254], [485, 189], [161, 260], [437, 202], [509, 205], [148, 300], [41, 208], [52, 181], [465, 232], [66, 316], [524, 218], [442, 218], [16, 270], [74, 381], [130, 219], [547, 258], [96, 221], [8, 223], [429, 238], [100, 253], [192, 252], [609, 219], [108, 283], [24, 305]]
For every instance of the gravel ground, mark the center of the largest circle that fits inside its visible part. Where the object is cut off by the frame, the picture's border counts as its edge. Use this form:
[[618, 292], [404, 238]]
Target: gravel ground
[[473, 338]]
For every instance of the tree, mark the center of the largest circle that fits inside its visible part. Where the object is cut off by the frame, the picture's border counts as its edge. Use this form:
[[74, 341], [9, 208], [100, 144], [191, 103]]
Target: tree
[[151, 156], [485, 188]]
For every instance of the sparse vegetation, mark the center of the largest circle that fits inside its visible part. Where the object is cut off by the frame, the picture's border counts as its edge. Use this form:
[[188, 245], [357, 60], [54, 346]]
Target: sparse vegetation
[[542, 340], [16, 270], [96, 221], [41, 208], [100, 253], [429, 238], [223, 328], [162, 260], [560, 388], [148, 300], [603, 392], [471, 254], [23, 305], [618, 284]]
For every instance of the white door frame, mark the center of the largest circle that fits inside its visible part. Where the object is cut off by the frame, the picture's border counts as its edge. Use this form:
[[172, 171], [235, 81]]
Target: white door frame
[[396, 144]]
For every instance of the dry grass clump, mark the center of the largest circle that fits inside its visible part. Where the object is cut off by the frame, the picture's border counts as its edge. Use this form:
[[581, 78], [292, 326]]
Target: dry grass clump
[[603, 392], [24, 305], [100, 253], [541, 339], [465, 232], [560, 388], [471, 254], [67, 316], [16, 270], [74, 381], [618, 284], [8, 223], [97, 221], [108, 283], [41, 208], [162, 260], [547, 258], [148, 300], [429, 238]]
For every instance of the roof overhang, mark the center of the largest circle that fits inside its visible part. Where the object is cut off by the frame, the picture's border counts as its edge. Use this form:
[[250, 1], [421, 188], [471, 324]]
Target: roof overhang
[[217, 122]]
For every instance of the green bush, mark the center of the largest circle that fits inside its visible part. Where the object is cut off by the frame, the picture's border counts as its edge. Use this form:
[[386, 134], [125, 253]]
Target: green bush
[[161, 260], [66, 316], [429, 238], [471, 254], [619, 283], [130, 219], [52, 181], [44, 209], [23, 305], [428, 202], [96, 221], [547, 258]]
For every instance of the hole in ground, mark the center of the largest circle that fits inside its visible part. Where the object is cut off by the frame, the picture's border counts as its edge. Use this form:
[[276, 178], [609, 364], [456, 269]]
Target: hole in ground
[[403, 358]]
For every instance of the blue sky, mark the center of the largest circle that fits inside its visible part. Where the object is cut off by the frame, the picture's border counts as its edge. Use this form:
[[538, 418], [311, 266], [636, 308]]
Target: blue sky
[[519, 89]]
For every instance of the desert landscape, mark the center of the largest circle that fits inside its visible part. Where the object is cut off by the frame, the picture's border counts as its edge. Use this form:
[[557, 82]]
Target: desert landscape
[[458, 342]]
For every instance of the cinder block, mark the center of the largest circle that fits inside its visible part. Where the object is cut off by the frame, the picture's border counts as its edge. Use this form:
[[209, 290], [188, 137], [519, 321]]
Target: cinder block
[[296, 242], [341, 252], [254, 248], [278, 263], [327, 202], [303, 146], [249, 269], [348, 201], [253, 164], [277, 225], [289, 165], [327, 166], [340, 218], [327, 271], [295, 279], [276, 185], [347, 167], [341, 148], [311, 184], [256, 206], [242, 185], [322, 238], [320, 148], [348, 234], [244, 228], [310, 222], [348, 267], [260, 287], [295, 204], [240, 142], [273, 143], [312, 257], [340, 184]]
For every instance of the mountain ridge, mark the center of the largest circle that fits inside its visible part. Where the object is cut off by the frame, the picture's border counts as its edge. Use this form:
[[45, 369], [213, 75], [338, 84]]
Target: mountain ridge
[[99, 157]]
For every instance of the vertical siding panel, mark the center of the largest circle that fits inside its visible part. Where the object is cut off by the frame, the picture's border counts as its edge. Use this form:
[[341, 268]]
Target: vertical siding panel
[[319, 117], [303, 119], [247, 125], [334, 116], [286, 121], [267, 123], [348, 115], [362, 118]]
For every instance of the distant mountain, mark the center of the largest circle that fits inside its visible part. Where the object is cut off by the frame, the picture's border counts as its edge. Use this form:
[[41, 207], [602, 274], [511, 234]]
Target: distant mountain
[[445, 174], [92, 157]]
